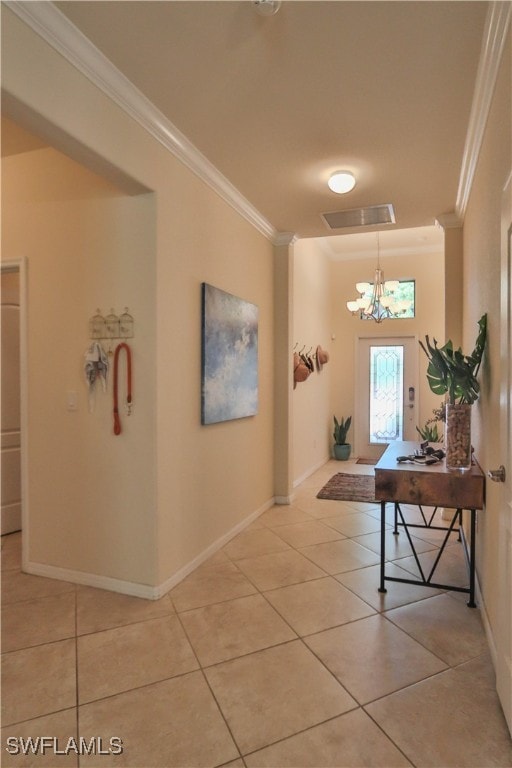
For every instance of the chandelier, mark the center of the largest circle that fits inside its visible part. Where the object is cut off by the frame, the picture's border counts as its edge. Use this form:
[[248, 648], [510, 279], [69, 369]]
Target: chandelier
[[377, 300]]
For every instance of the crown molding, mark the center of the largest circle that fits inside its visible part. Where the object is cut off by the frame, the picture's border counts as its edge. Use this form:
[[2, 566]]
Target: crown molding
[[495, 32], [285, 238], [448, 221], [53, 27]]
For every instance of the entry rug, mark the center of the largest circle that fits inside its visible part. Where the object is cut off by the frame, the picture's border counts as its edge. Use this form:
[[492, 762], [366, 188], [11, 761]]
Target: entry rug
[[343, 487]]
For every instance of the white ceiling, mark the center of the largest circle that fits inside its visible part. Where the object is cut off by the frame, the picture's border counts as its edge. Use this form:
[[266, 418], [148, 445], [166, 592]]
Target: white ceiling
[[391, 242], [277, 103]]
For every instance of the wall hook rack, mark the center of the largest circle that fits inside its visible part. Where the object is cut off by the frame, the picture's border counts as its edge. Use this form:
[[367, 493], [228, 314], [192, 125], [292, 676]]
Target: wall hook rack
[[112, 326]]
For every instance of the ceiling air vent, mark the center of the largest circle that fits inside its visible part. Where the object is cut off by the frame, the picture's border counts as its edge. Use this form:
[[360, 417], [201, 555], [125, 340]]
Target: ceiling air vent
[[360, 217]]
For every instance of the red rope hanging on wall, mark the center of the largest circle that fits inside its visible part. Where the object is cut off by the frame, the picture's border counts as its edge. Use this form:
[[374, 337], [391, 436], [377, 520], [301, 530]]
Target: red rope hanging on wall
[[117, 420]]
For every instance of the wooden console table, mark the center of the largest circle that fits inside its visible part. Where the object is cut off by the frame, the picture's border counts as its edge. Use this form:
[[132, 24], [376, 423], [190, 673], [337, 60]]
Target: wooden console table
[[434, 486]]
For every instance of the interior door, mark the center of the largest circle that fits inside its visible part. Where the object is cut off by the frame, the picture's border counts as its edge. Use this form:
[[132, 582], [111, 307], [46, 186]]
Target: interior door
[[10, 519], [386, 393], [504, 629]]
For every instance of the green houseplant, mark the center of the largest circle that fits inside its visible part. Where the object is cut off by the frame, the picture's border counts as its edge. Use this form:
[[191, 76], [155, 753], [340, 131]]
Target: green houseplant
[[342, 449], [453, 375], [430, 431]]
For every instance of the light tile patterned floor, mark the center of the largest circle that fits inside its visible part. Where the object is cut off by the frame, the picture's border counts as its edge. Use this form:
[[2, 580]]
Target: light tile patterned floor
[[277, 652]]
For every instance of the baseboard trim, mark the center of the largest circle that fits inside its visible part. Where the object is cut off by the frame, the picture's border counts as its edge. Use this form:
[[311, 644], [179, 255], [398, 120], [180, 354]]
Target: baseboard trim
[[135, 589], [310, 471], [175, 579], [91, 580], [485, 621]]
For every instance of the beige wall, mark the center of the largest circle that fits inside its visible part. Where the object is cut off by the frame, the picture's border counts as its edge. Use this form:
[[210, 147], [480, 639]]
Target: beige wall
[[210, 477], [283, 387], [187, 501], [453, 252], [427, 270], [86, 246], [321, 290], [482, 294], [311, 327]]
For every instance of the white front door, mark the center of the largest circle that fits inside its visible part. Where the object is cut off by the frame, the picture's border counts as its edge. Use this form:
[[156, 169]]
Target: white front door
[[386, 393], [504, 629]]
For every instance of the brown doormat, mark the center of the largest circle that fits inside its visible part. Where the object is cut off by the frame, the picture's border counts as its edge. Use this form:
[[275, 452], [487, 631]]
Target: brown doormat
[[343, 487], [371, 462]]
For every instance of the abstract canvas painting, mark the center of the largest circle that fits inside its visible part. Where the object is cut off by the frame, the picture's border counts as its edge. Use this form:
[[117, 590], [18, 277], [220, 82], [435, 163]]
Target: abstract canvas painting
[[229, 356]]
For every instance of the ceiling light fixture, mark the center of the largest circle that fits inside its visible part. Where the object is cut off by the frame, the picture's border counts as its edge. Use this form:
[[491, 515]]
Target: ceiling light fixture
[[341, 182], [377, 301], [267, 7]]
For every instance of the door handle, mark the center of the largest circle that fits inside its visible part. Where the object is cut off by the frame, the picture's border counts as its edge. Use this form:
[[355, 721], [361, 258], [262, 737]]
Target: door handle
[[497, 475]]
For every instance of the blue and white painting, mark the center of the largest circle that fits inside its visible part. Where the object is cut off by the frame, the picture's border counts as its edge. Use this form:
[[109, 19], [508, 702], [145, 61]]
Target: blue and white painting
[[229, 357]]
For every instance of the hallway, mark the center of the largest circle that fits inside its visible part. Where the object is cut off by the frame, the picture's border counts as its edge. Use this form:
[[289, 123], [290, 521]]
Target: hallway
[[278, 651]]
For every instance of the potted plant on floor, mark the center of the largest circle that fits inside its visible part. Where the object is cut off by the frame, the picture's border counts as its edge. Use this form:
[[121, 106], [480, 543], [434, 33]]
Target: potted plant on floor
[[453, 374], [342, 449], [431, 431]]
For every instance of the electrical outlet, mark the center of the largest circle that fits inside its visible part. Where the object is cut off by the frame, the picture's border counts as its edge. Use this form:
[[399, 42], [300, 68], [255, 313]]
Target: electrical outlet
[[72, 401]]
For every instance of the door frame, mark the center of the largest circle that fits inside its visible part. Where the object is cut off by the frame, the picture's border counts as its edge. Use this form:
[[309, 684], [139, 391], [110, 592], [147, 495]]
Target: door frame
[[503, 634], [381, 338], [20, 265]]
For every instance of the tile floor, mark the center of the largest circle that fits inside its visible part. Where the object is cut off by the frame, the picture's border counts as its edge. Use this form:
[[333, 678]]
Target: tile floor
[[279, 651]]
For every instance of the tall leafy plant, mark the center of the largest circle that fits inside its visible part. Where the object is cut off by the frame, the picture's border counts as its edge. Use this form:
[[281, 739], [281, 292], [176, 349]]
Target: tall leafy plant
[[452, 373]]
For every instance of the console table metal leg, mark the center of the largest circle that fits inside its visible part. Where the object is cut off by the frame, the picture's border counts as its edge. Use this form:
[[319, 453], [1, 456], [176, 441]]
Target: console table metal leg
[[382, 588], [472, 550]]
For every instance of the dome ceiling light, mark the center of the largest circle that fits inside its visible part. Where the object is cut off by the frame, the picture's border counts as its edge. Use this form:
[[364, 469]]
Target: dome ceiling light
[[341, 182]]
